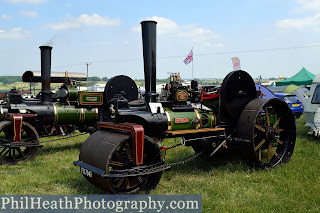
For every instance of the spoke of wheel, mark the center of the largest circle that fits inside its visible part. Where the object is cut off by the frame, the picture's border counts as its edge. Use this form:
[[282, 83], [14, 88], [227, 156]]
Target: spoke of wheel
[[117, 154], [115, 163], [20, 152], [279, 130], [260, 144], [127, 183], [276, 123], [6, 152], [260, 154], [120, 182], [140, 179], [274, 152], [255, 135], [280, 142], [260, 128], [4, 149], [268, 119], [13, 153], [269, 149]]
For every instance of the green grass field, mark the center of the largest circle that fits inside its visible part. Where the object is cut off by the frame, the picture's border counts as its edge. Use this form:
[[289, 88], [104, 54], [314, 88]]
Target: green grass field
[[225, 182]]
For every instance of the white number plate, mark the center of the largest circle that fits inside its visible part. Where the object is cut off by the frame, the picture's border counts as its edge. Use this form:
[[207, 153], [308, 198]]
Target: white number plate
[[85, 172]]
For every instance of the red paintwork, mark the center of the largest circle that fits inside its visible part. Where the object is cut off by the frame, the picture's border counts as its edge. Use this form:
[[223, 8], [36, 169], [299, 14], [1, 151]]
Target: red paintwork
[[208, 96], [137, 134], [17, 123]]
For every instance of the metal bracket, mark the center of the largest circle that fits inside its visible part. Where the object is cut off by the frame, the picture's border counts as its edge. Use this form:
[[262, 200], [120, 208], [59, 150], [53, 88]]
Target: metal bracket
[[183, 141], [17, 125], [137, 134]]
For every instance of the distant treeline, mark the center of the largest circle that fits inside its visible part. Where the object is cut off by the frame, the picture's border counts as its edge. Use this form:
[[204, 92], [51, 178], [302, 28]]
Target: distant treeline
[[96, 78], [13, 79], [10, 79]]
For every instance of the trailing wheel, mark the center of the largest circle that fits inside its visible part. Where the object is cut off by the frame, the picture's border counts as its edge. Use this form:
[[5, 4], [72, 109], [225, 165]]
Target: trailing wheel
[[108, 151], [266, 129], [21, 151]]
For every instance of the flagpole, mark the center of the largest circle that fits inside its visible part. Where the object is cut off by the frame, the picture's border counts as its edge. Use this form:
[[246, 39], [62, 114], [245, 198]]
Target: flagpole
[[192, 64]]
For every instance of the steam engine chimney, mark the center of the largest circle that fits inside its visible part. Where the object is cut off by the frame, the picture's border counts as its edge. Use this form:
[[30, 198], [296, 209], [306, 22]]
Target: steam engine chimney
[[149, 58], [45, 74]]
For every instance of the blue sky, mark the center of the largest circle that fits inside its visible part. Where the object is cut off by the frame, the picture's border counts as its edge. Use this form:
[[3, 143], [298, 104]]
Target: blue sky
[[107, 35]]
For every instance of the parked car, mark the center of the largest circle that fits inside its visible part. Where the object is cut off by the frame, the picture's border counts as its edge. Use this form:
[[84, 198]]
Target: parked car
[[293, 102]]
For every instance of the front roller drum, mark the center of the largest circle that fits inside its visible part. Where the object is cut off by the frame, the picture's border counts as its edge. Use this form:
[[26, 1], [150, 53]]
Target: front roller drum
[[110, 150], [267, 132]]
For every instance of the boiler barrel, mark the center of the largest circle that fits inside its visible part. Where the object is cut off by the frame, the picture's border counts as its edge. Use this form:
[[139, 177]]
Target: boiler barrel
[[195, 119], [70, 115]]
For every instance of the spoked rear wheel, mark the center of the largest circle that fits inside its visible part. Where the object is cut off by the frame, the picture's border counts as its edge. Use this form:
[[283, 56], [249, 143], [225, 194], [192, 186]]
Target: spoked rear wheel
[[24, 150], [268, 132]]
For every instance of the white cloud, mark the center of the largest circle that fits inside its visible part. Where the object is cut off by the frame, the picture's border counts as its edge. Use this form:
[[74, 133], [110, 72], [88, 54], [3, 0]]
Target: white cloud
[[96, 20], [164, 25], [310, 23], [63, 25], [14, 33], [32, 14], [193, 32], [6, 16], [308, 5], [85, 20], [27, 1]]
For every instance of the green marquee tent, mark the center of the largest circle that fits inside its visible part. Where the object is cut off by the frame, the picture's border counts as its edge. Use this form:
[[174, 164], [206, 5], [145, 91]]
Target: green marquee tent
[[304, 77]]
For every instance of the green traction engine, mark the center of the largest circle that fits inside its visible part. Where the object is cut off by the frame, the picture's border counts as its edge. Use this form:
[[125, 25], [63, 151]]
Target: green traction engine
[[23, 121], [124, 156]]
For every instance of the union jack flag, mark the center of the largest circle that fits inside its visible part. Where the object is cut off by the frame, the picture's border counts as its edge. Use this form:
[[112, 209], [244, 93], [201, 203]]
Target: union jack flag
[[189, 58]]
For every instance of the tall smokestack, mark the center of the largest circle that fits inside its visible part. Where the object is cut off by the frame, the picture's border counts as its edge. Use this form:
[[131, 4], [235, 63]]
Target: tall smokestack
[[45, 74], [149, 58]]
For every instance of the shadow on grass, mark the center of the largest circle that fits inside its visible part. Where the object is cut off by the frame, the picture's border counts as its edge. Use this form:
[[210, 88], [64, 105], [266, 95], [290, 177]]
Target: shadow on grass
[[45, 150], [224, 160]]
